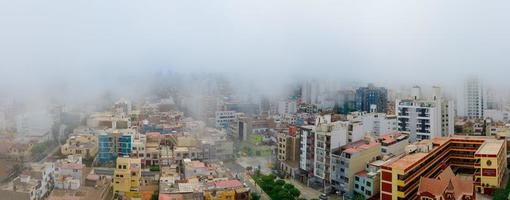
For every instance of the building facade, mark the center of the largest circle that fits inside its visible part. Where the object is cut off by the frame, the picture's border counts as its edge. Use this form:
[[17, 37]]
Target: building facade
[[368, 97], [127, 175], [425, 118], [485, 156]]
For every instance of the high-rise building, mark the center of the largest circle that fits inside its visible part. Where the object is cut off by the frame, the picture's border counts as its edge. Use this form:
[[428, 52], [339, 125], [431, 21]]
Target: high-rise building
[[425, 118], [287, 107], [345, 101], [372, 99], [474, 98], [307, 152], [310, 91], [289, 151]]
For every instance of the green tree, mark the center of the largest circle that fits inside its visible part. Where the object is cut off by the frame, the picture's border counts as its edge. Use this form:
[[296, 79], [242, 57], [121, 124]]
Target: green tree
[[155, 196], [280, 182], [254, 196], [288, 186], [294, 192]]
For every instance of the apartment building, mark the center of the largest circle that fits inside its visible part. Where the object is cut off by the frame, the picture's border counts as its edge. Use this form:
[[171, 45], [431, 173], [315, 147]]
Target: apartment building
[[424, 118], [288, 151], [484, 156], [307, 152], [394, 143], [376, 123], [127, 174], [367, 182], [152, 149], [68, 172], [287, 107], [351, 159], [84, 145], [372, 99], [474, 99], [224, 118], [115, 143]]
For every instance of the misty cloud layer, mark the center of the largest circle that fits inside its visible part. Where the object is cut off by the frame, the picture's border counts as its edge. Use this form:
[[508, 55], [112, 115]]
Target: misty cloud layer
[[83, 46]]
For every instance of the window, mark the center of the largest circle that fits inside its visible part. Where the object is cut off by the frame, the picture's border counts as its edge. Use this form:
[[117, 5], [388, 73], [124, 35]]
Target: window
[[356, 186], [356, 178], [369, 184]]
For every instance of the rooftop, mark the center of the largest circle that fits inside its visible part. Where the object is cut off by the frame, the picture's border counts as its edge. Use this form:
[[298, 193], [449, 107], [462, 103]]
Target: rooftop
[[490, 147], [359, 146], [406, 161]]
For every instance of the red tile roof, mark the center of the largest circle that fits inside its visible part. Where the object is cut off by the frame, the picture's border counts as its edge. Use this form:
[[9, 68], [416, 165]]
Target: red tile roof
[[446, 181], [228, 184]]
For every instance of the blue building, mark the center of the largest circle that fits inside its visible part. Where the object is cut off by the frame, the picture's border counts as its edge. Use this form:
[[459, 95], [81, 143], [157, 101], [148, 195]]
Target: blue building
[[367, 97], [112, 146], [125, 144], [106, 150]]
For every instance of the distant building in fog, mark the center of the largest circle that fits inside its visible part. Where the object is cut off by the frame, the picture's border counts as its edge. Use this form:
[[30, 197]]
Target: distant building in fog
[[372, 97]]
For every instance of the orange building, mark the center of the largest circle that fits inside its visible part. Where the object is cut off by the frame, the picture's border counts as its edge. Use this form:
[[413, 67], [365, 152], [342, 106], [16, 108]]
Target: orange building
[[482, 157]]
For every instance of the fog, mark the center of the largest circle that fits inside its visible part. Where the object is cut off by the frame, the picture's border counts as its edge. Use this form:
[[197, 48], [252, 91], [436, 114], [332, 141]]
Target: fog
[[76, 50]]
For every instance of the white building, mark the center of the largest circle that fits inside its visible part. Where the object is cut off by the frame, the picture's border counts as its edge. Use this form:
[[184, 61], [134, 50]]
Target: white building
[[310, 92], [425, 118], [393, 143], [497, 115], [68, 173], [287, 107], [473, 99], [224, 118], [376, 123]]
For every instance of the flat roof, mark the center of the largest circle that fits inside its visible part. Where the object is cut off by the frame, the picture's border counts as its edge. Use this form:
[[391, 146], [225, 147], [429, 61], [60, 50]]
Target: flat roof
[[490, 147], [407, 161]]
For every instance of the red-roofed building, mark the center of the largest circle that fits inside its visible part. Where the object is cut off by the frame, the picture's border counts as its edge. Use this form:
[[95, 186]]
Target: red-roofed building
[[446, 186], [393, 143]]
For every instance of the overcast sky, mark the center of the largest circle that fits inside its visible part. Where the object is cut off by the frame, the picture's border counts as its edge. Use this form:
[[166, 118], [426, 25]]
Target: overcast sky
[[91, 43]]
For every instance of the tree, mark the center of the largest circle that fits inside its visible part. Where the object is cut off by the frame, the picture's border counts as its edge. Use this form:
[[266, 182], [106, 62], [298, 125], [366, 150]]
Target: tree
[[358, 196], [294, 192], [288, 186], [280, 182], [155, 196], [254, 196]]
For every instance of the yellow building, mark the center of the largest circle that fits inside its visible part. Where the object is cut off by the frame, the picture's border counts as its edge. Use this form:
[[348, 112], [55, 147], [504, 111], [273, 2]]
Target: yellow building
[[400, 176], [84, 145], [490, 165], [220, 195], [127, 174], [227, 190]]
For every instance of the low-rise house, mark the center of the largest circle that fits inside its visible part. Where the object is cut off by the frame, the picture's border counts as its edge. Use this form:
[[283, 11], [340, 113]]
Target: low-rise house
[[68, 173], [393, 143], [84, 145], [226, 189], [23, 187], [197, 168]]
